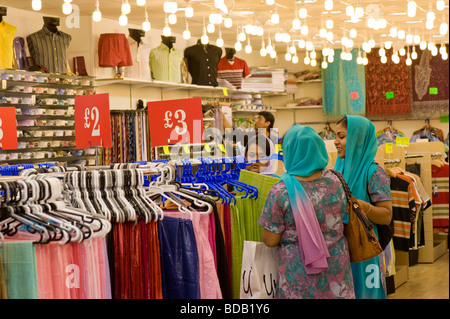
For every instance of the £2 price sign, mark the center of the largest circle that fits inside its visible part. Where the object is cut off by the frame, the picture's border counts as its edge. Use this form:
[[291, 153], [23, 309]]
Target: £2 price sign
[[175, 121], [92, 121], [8, 128]]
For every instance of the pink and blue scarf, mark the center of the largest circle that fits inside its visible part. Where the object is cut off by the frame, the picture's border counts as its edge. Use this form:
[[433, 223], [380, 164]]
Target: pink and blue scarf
[[304, 153]]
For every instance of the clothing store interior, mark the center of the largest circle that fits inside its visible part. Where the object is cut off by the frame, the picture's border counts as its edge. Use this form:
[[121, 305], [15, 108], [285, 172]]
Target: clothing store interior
[[224, 149]]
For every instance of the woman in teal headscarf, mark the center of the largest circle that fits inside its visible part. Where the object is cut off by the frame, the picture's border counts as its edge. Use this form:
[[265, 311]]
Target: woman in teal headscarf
[[303, 217], [356, 144]]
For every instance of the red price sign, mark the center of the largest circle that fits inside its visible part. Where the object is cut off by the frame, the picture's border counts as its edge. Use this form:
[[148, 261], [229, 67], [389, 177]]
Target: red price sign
[[176, 121], [8, 128], [92, 121]]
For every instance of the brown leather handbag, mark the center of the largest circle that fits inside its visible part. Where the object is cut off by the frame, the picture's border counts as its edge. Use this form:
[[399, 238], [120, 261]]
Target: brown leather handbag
[[362, 241]]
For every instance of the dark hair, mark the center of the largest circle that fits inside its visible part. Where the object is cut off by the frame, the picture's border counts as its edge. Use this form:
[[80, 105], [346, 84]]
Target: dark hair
[[268, 117], [259, 140], [343, 121]]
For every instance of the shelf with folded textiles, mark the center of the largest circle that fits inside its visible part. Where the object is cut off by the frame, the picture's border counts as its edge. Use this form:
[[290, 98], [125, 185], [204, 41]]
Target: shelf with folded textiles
[[44, 103], [68, 159]]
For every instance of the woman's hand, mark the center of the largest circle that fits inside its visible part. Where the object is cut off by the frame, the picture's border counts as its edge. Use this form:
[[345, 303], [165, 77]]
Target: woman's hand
[[380, 213]]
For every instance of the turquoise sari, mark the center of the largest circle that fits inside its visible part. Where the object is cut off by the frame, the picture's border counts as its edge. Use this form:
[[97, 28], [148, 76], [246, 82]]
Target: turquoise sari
[[358, 166]]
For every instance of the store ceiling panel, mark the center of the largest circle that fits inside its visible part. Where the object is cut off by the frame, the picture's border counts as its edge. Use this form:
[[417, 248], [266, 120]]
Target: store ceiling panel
[[258, 13]]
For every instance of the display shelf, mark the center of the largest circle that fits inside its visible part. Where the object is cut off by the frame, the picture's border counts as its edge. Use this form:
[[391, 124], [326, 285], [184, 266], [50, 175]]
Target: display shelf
[[300, 107], [309, 81], [51, 84], [169, 86]]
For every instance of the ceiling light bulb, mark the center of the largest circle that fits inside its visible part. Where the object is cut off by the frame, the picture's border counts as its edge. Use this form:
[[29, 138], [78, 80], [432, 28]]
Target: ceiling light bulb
[[444, 56], [414, 55], [248, 48], [440, 5], [263, 52], [186, 34], [429, 24], [388, 44], [402, 52], [313, 54], [329, 24], [409, 38], [219, 3], [219, 41], [242, 36], [67, 8], [189, 12], [292, 49], [304, 29], [238, 46], [228, 23], [301, 44], [393, 32], [430, 46], [330, 59], [170, 7], [359, 12], [146, 26], [204, 39], [123, 20], [330, 36], [324, 64], [288, 56], [36, 5], [365, 61], [343, 55], [382, 52], [416, 39], [423, 45], [401, 34], [140, 2], [172, 18], [296, 24], [431, 16], [273, 54], [350, 11], [313, 62], [295, 59], [167, 31], [383, 59], [275, 18], [97, 15], [210, 28], [269, 47], [323, 33], [443, 28], [442, 49], [412, 8], [270, 2], [359, 60], [353, 33], [309, 45], [303, 13], [126, 8], [434, 51], [328, 5], [307, 60], [372, 43]]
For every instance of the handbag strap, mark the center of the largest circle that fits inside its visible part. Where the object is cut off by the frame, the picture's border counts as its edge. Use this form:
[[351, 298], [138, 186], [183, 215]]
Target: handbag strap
[[348, 192]]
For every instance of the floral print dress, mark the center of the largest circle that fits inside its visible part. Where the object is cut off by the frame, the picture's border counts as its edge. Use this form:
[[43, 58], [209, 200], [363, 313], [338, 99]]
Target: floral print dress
[[330, 205]]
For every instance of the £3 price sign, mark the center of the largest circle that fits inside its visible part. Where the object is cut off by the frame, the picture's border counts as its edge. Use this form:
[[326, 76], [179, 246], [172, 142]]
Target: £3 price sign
[[8, 128], [175, 121], [92, 121]]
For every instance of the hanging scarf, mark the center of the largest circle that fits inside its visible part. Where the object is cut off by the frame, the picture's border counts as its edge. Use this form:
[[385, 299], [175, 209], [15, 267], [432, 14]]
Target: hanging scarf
[[304, 153]]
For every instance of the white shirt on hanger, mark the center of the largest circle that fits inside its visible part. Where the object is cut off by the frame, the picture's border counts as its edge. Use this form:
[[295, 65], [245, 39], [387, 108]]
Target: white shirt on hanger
[[140, 54]]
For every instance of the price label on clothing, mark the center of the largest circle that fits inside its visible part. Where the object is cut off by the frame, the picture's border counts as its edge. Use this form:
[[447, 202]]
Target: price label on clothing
[[207, 148], [402, 141], [8, 128], [354, 95], [225, 91], [166, 149], [175, 121], [92, 121], [389, 148], [433, 91]]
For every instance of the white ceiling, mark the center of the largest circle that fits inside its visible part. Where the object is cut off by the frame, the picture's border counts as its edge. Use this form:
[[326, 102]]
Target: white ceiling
[[257, 11]]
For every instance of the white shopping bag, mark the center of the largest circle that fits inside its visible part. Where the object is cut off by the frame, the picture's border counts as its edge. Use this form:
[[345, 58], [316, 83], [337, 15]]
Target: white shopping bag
[[259, 274]]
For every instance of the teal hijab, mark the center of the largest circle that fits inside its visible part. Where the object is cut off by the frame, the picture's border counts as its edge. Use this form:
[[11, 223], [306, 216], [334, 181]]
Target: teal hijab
[[358, 166], [304, 153]]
